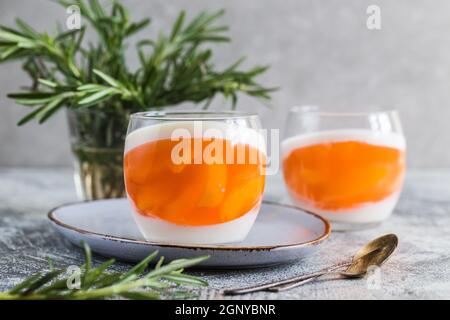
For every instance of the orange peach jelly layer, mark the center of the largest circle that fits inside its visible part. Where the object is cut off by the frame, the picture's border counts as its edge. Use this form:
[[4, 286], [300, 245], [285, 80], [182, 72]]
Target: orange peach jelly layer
[[342, 175], [192, 194]]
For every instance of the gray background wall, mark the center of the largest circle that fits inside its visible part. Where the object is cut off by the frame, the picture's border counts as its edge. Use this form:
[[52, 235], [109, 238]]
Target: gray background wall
[[320, 51]]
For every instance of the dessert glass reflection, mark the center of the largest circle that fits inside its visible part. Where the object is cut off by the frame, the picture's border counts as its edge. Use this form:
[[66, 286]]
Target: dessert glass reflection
[[347, 167], [194, 177]]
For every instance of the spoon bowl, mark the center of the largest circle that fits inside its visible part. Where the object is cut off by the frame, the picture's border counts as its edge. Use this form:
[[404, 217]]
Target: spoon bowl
[[374, 253], [358, 268], [388, 241]]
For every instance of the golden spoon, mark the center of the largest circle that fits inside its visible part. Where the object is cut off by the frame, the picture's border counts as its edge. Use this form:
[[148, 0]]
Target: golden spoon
[[373, 253], [357, 269]]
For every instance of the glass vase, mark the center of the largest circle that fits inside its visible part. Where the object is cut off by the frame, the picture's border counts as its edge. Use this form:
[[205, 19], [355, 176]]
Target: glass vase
[[97, 138]]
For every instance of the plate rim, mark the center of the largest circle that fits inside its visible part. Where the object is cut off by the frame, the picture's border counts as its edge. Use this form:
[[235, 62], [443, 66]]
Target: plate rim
[[326, 233]]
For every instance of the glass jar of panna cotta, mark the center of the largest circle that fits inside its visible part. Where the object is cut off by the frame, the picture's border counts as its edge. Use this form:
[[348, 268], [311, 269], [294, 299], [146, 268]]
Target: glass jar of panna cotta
[[348, 167], [194, 177]]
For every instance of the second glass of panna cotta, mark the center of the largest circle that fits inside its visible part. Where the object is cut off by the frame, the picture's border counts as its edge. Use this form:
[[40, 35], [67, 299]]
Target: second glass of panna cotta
[[348, 167], [194, 177]]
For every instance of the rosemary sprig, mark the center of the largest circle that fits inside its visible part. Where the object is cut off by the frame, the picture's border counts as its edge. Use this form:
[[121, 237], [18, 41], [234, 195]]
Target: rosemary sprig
[[174, 68], [98, 283]]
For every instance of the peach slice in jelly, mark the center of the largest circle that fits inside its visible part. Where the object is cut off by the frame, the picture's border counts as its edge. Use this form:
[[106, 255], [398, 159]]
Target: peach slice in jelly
[[191, 194], [334, 175]]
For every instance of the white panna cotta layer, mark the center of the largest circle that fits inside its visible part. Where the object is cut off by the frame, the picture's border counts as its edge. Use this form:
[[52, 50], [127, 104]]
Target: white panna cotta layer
[[196, 129], [157, 230], [370, 212], [385, 139]]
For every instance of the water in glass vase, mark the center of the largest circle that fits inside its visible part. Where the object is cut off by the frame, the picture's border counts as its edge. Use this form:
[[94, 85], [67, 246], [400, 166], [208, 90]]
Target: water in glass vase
[[97, 140]]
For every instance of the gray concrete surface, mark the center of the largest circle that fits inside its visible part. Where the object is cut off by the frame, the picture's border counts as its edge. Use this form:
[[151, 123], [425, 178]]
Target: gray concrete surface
[[419, 269]]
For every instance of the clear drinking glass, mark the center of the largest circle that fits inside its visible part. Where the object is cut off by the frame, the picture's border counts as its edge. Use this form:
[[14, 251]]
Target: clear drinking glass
[[194, 177], [346, 166]]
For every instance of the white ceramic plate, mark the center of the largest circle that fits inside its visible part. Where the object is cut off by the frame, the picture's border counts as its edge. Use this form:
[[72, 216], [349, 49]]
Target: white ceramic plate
[[280, 234]]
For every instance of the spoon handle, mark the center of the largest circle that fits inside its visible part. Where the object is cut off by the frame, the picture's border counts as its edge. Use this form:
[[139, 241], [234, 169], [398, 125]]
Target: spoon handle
[[265, 286], [295, 284]]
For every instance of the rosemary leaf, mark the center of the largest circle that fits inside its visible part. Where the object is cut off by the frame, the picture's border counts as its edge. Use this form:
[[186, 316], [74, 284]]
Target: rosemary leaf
[[98, 96], [107, 78]]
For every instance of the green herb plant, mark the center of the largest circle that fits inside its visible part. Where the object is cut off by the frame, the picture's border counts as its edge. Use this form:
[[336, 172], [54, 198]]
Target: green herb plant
[[164, 281], [174, 68], [93, 81]]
